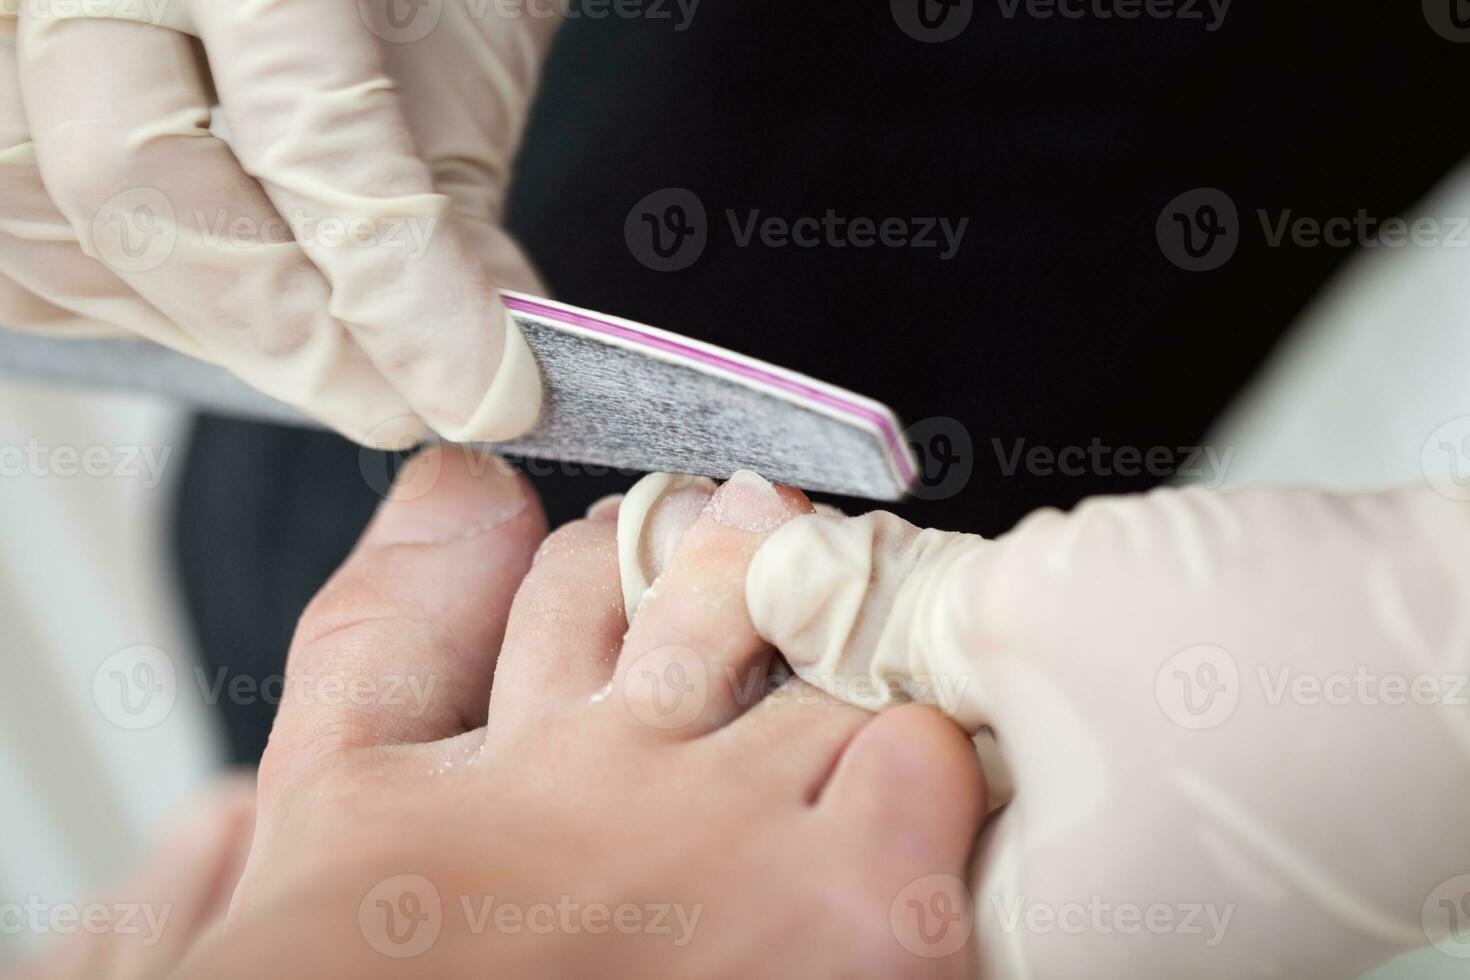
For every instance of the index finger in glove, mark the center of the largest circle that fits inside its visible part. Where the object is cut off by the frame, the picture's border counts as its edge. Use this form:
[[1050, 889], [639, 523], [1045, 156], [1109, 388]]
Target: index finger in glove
[[126, 209]]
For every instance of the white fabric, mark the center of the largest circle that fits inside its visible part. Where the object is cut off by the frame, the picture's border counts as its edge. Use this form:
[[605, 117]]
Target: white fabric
[[85, 488], [343, 252], [1369, 388]]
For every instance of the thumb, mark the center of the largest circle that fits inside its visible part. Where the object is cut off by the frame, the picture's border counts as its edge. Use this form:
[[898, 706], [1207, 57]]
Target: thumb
[[873, 610]]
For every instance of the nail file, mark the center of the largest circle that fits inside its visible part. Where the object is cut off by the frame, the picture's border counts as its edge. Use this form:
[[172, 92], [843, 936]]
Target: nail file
[[618, 394]]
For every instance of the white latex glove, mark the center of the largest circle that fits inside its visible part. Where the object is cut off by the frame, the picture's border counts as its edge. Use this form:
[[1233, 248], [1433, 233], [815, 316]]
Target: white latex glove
[[343, 252], [1243, 715]]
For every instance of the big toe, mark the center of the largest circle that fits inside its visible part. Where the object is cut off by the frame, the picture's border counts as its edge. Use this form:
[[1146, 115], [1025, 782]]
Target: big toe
[[910, 781], [908, 797]]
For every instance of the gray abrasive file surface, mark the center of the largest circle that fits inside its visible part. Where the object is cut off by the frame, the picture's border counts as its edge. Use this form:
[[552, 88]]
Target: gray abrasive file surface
[[618, 394]]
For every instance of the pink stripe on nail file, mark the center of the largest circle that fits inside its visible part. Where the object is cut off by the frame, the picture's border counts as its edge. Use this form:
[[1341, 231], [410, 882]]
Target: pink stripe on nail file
[[888, 431]]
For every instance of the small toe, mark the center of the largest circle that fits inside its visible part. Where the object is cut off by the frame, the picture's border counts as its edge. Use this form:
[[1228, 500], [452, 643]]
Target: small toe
[[692, 661], [565, 627]]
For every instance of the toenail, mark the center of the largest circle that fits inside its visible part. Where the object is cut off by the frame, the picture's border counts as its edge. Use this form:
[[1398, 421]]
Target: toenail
[[747, 502], [605, 507]]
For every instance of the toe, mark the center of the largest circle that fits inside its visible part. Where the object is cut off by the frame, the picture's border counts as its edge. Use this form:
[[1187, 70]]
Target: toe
[[652, 520], [692, 661], [910, 783], [411, 624], [565, 626], [792, 738], [907, 799]]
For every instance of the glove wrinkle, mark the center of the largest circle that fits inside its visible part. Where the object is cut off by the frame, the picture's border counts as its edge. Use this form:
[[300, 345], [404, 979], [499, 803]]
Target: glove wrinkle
[[1229, 708], [314, 255], [1311, 880]]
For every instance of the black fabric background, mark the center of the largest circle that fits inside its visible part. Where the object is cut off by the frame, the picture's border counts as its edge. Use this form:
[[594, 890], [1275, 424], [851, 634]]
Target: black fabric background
[[1059, 321]]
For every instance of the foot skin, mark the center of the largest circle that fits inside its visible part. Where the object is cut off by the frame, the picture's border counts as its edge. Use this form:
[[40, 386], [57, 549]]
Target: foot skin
[[637, 800]]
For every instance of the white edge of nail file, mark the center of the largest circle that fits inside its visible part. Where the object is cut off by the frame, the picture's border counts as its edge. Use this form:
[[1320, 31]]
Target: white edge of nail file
[[619, 394]]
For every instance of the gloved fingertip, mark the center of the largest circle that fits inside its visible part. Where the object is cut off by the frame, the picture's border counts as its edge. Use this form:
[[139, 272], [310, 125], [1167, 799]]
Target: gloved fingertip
[[806, 586], [652, 519], [513, 400]]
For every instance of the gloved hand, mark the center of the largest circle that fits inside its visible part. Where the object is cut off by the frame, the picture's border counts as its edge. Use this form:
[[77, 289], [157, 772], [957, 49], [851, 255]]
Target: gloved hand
[[1236, 723], [342, 252]]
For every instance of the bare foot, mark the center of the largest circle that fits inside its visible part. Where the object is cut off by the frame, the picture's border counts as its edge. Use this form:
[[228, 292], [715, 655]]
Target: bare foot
[[630, 805]]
